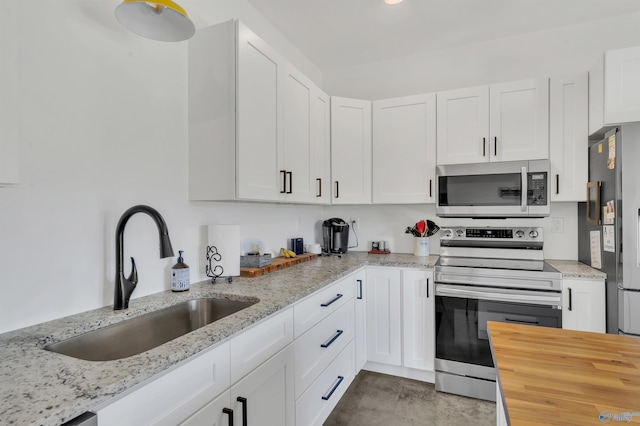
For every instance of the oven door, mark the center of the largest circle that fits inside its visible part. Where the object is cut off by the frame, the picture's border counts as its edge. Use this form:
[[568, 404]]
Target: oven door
[[464, 364]]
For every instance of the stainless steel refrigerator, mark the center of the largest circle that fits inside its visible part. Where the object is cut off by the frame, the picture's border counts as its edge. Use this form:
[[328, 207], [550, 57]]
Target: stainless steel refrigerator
[[608, 231]]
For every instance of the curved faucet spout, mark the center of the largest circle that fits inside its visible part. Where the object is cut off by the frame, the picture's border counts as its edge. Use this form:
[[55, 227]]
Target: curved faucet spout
[[124, 286]]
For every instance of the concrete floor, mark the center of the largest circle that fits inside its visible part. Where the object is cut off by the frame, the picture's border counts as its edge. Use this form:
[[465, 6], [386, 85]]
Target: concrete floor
[[379, 399]]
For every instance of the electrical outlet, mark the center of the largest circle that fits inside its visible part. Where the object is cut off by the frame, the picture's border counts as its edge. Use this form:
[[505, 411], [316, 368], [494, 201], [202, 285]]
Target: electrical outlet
[[354, 222], [557, 225]]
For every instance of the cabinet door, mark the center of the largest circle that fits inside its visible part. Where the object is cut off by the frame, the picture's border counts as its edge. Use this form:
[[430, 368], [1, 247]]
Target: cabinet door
[[384, 316], [297, 183], [350, 151], [361, 319], [321, 147], [622, 86], [404, 132], [259, 118], [519, 120], [583, 305], [568, 138], [463, 125], [266, 394], [418, 310], [215, 413]]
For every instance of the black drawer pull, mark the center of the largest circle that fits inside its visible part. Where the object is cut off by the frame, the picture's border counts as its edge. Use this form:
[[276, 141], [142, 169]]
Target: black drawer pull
[[229, 412], [333, 339], [521, 321], [327, 396], [570, 299], [360, 289], [338, 296], [290, 174], [243, 401], [284, 181]]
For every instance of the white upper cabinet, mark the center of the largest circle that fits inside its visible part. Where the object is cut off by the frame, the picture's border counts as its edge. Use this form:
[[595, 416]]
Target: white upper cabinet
[[614, 89], [568, 138], [258, 128], [258, 120], [501, 122], [305, 146], [404, 150], [350, 151], [463, 125]]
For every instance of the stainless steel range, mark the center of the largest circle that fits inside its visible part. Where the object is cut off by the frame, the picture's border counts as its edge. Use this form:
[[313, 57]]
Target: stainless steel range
[[488, 274]]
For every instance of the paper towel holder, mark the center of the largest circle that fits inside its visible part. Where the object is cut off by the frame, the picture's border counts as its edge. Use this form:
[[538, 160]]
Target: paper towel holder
[[218, 270]]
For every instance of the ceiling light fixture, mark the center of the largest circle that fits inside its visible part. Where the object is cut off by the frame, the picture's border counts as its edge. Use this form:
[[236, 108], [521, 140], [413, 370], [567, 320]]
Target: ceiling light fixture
[[392, 1], [162, 20]]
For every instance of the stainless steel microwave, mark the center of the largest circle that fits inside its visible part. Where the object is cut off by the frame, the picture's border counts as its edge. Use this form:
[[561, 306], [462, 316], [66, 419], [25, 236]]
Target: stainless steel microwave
[[493, 190]]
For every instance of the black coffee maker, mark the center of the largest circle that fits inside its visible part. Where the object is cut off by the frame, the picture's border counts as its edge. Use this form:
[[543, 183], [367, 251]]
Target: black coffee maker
[[335, 234]]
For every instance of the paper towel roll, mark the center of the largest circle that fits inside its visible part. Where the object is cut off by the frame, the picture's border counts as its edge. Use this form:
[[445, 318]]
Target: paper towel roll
[[226, 238]]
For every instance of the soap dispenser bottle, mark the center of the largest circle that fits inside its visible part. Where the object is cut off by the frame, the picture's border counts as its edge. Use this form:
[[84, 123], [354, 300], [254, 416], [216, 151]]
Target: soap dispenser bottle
[[180, 275]]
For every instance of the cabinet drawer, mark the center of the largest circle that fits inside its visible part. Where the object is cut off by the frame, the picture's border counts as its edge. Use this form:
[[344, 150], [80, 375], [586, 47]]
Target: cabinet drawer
[[175, 395], [255, 345], [315, 349], [320, 304], [315, 405]]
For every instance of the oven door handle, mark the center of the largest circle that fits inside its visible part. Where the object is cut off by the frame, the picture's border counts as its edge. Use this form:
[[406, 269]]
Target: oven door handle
[[501, 295], [525, 190]]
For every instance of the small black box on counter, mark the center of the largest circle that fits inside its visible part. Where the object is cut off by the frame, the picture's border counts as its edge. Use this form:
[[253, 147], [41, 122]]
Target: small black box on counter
[[297, 245]]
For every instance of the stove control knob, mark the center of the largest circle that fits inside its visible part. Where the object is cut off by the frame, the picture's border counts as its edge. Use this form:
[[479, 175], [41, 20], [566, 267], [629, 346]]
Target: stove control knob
[[447, 233], [519, 233], [533, 234], [459, 232]]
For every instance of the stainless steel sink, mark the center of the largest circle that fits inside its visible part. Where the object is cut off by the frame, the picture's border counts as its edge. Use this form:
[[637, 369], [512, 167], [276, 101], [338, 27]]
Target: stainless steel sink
[[147, 331]]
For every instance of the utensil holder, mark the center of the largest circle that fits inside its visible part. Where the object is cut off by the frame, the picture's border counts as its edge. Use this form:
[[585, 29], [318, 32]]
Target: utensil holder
[[421, 246]]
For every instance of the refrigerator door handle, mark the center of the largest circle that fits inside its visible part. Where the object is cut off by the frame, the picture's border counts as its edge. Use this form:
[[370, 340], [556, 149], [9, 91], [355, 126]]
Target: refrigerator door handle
[[525, 191], [595, 187]]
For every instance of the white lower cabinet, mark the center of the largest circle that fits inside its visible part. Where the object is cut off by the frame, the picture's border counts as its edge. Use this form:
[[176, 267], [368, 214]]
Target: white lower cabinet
[[384, 316], [215, 413], [316, 403], [583, 304], [175, 395], [360, 311], [418, 313], [266, 394]]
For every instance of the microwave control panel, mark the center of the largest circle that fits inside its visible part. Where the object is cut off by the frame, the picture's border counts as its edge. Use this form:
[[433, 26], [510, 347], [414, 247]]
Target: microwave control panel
[[537, 189]]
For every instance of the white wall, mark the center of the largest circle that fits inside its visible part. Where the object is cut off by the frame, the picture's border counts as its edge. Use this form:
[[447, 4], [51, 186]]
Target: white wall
[[102, 125]]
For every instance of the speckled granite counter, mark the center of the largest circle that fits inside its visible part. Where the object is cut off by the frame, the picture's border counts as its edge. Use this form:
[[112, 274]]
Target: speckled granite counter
[[45, 388], [571, 268]]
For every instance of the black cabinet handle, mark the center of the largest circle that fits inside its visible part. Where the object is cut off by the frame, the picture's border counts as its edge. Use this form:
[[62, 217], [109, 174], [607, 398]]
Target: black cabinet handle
[[570, 299], [484, 147], [427, 288], [229, 412], [333, 339], [521, 321], [319, 193], [327, 396], [337, 190], [243, 401], [557, 184], [325, 304], [430, 188], [290, 182], [359, 289], [284, 182], [495, 145]]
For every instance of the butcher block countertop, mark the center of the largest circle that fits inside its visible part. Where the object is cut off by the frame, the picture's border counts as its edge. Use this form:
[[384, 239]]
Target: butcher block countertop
[[555, 376]]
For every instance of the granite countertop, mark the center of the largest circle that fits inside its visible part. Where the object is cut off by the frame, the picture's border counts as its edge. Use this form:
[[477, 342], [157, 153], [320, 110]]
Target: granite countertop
[[553, 376], [49, 389]]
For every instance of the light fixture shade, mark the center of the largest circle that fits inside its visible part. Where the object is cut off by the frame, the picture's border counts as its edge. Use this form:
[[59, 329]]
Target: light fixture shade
[[161, 20]]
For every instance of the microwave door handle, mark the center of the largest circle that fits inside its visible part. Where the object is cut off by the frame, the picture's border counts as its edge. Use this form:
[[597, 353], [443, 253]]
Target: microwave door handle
[[523, 202]]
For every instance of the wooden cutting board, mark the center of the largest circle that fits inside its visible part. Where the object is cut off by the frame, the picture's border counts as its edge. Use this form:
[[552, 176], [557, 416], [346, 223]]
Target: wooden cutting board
[[276, 264]]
